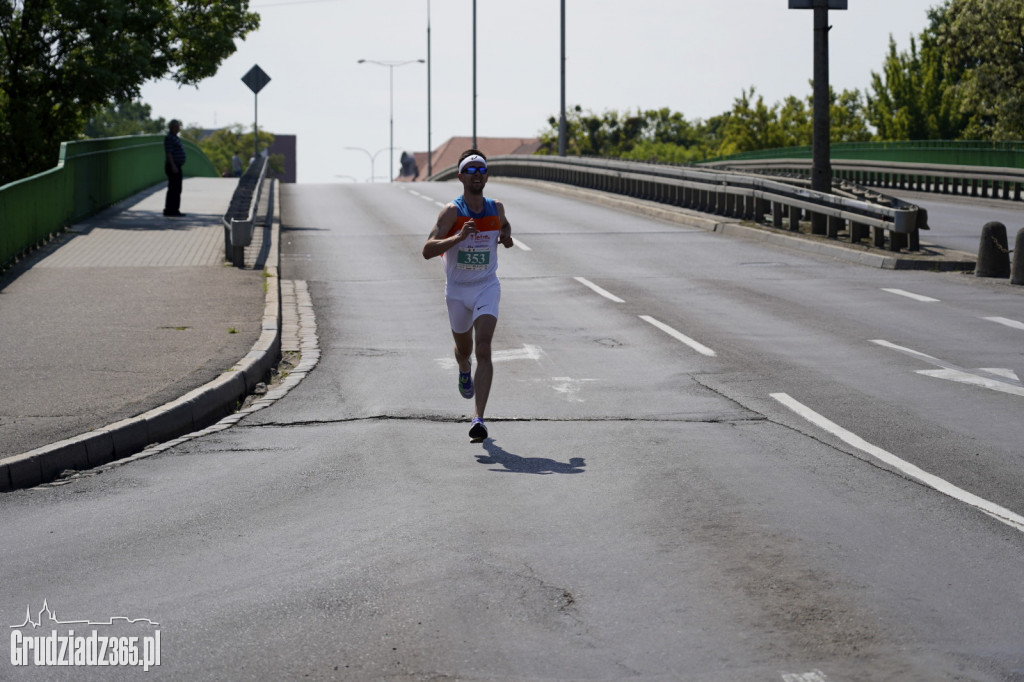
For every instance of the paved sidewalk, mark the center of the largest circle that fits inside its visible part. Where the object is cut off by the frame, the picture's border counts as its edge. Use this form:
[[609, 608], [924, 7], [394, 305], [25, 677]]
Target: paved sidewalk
[[126, 312]]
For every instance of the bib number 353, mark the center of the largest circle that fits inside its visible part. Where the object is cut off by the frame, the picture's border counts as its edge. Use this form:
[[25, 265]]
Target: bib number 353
[[471, 258]]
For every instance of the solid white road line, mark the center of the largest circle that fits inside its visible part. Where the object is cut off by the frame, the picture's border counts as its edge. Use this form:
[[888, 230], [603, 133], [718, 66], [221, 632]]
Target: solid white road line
[[1013, 324], [943, 486], [679, 336], [518, 242], [607, 294], [916, 297]]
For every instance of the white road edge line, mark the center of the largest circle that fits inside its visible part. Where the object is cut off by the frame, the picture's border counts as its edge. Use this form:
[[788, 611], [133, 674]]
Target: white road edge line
[[520, 244], [697, 346], [943, 486], [1014, 324], [916, 297], [590, 285]]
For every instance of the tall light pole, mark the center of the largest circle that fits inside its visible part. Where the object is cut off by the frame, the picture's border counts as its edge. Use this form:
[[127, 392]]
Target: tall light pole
[[474, 74], [391, 100], [562, 125], [821, 149], [430, 148]]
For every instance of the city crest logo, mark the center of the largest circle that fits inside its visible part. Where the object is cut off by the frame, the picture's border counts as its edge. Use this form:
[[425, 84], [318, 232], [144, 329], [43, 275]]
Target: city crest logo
[[62, 646]]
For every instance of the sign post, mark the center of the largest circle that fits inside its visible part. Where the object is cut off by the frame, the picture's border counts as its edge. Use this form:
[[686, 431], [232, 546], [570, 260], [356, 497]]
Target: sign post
[[821, 167], [256, 79]]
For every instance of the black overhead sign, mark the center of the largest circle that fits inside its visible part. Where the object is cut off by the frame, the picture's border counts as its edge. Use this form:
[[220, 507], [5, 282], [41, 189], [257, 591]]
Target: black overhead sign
[[809, 4]]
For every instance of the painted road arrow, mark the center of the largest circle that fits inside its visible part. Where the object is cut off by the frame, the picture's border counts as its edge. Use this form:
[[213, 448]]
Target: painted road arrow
[[995, 378]]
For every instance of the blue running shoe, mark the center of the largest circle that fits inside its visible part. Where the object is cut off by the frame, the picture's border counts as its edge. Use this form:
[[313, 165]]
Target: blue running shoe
[[478, 431], [466, 384]]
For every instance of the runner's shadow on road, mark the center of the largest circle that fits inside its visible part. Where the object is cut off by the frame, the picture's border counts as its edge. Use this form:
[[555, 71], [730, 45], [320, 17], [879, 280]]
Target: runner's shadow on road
[[527, 465]]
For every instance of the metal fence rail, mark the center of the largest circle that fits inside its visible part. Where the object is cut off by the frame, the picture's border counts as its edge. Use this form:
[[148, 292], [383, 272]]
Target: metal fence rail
[[974, 181], [727, 193], [241, 214]]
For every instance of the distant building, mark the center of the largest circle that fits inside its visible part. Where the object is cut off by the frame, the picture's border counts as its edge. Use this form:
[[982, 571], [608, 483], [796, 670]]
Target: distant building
[[448, 153], [282, 144], [285, 146]]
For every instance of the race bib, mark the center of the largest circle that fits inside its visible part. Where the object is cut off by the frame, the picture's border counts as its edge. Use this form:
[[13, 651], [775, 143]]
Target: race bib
[[472, 259]]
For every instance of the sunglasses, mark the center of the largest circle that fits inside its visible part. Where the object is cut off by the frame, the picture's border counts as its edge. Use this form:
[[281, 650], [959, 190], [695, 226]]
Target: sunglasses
[[472, 170]]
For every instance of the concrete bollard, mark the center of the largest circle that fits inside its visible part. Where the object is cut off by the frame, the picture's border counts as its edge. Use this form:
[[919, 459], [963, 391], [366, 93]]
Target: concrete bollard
[[1018, 259], [993, 252]]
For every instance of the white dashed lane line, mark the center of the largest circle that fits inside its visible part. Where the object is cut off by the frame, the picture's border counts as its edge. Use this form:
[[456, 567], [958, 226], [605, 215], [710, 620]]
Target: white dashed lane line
[[1013, 324], [916, 297], [679, 336], [674, 333], [607, 294]]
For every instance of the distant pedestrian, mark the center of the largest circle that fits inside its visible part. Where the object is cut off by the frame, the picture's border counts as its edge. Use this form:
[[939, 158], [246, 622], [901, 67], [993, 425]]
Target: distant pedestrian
[[236, 165], [174, 153]]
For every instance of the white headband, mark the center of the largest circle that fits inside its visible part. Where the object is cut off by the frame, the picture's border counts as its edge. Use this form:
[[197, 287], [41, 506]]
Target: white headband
[[471, 159]]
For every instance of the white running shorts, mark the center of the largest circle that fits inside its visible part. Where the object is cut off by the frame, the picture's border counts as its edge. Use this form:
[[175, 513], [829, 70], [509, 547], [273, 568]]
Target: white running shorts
[[466, 303]]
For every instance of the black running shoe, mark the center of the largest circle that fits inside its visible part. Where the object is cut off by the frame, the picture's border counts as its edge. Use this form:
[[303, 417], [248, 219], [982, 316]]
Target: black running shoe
[[478, 430]]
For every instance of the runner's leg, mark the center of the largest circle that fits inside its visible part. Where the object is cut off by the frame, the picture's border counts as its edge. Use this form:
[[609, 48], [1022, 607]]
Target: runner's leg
[[484, 327], [463, 348]]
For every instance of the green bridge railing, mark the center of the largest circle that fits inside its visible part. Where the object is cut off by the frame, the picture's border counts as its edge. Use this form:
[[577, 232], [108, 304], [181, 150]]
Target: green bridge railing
[[91, 175], [939, 152]]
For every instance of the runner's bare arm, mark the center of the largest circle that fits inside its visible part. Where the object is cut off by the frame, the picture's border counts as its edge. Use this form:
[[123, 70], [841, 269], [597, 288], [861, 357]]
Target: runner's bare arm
[[505, 234], [436, 243]]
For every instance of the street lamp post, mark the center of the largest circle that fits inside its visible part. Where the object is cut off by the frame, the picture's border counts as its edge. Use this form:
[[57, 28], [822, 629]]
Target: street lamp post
[[430, 149], [562, 126], [391, 102], [474, 74], [821, 150], [373, 158]]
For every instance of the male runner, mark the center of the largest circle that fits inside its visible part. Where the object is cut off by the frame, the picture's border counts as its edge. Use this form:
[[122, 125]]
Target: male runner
[[466, 236]]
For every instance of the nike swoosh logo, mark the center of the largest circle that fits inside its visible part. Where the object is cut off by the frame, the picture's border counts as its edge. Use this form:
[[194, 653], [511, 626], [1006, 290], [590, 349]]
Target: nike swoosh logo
[[480, 307]]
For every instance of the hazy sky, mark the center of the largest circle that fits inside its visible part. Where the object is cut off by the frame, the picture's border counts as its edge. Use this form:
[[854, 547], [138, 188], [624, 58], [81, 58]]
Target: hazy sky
[[692, 56]]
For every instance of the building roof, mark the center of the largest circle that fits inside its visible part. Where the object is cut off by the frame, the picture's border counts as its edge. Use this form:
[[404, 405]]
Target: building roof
[[448, 153]]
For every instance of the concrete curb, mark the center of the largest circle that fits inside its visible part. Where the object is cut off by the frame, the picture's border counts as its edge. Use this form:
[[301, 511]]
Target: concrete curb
[[193, 411], [732, 226]]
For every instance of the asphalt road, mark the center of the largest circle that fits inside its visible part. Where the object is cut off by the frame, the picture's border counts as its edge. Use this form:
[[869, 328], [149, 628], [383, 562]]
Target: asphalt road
[[709, 460], [955, 222]]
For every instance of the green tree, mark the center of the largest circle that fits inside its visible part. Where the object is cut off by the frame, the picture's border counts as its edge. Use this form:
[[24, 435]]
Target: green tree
[[796, 121], [629, 134], [61, 60], [915, 97], [123, 118], [984, 40], [222, 144], [848, 117], [751, 125]]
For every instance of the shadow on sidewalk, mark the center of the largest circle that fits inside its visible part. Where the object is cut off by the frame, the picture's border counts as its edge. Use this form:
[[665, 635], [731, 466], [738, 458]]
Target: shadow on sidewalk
[[527, 465]]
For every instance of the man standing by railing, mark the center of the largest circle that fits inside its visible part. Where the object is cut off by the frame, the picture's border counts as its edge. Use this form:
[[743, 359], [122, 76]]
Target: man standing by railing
[[174, 153]]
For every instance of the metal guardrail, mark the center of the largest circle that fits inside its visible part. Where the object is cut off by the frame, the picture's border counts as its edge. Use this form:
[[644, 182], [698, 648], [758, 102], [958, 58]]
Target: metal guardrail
[[241, 214], [733, 194], [973, 181]]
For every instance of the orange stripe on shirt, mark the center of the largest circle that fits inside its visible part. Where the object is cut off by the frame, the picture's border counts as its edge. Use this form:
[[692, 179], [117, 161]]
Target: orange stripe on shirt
[[490, 223]]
